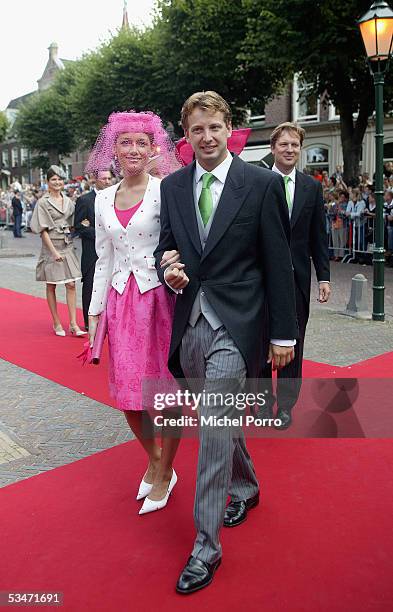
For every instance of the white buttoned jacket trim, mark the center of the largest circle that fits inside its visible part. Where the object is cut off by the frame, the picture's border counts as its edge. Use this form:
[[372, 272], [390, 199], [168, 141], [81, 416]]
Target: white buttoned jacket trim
[[123, 251]]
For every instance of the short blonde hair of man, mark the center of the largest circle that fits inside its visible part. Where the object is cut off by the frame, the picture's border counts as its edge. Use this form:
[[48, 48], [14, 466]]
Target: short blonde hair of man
[[287, 127], [206, 100]]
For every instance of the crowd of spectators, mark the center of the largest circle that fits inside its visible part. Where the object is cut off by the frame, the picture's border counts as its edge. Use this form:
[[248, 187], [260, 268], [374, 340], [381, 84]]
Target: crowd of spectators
[[29, 195], [350, 215]]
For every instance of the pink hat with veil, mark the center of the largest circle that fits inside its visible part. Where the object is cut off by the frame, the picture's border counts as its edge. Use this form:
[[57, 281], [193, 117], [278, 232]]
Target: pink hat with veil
[[102, 155]]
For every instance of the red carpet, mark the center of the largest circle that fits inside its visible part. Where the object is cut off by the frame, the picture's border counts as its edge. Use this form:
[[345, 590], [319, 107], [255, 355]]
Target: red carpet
[[28, 341], [321, 540]]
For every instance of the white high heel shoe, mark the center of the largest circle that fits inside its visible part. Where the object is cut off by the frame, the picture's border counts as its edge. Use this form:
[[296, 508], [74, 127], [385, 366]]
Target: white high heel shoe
[[150, 506], [76, 331], [59, 331], [144, 489]]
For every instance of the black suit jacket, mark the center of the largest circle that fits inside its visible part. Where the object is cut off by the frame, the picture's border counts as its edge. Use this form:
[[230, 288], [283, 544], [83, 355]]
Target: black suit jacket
[[246, 259], [308, 233], [84, 209], [17, 207]]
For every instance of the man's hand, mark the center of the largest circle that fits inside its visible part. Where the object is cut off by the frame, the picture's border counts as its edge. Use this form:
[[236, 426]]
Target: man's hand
[[176, 277], [324, 292], [93, 322], [85, 223], [280, 356], [169, 257]]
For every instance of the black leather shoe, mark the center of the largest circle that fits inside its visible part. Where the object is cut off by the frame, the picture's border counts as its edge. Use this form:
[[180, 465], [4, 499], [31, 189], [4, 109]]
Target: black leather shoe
[[196, 575], [286, 418], [264, 412], [236, 511]]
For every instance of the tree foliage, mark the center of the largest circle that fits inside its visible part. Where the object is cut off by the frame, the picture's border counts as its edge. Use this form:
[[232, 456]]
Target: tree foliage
[[3, 126], [197, 47], [114, 78], [321, 41], [244, 49], [191, 46], [44, 124]]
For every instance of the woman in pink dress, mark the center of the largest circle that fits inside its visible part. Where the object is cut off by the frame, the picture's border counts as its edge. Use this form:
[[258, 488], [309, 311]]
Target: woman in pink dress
[[139, 309]]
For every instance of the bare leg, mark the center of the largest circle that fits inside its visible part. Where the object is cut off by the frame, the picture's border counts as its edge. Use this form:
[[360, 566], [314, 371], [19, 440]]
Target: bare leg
[[71, 303], [51, 299], [170, 440], [141, 425]]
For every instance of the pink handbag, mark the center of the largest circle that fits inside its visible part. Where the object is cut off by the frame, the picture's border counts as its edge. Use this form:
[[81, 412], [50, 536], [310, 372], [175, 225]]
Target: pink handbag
[[93, 354]]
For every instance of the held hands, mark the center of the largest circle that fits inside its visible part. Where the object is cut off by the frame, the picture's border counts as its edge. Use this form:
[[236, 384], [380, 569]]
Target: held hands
[[176, 277], [169, 257], [85, 223], [324, 292], [280, 356], [93, 322], [174, 273]]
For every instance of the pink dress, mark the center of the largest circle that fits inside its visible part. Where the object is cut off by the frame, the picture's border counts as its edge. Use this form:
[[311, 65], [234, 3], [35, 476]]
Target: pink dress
[[139, 333]]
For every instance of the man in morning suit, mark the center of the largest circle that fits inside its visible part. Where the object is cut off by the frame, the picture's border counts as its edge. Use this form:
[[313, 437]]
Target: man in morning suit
[[85, 226], [308, 241], [229, 223]]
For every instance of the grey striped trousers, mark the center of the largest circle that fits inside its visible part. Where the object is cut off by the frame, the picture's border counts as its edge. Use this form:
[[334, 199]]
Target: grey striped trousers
[[209, 358]]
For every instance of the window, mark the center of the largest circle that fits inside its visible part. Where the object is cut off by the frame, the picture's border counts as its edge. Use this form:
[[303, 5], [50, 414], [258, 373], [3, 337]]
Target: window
[[254, 120], [5, 160], [14, 157], [317, 158], [305, 101], [388, 151], [333, 114], [24, 157]]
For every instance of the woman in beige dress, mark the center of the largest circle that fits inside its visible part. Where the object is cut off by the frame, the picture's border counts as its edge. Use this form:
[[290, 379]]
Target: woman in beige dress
[[53, 218]]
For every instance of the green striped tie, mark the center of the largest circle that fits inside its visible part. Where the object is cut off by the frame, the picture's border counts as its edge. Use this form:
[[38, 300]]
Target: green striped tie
[[288, 193], [205, 202]]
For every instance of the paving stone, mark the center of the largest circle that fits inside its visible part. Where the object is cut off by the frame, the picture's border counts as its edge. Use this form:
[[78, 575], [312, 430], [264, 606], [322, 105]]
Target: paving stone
[[31, 417]]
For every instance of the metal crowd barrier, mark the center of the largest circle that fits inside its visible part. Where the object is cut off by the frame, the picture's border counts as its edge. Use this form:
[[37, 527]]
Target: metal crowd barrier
[[6, 217], [355, 240]]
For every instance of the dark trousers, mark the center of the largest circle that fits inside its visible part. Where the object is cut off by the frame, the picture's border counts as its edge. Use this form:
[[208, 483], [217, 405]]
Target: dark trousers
[[289, 379], [87, 289], [17, 226]]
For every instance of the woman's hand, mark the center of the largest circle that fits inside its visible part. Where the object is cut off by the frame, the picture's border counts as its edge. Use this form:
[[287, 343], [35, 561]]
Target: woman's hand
[[93, 322], [57, 256], [85, 223], [169, 257]]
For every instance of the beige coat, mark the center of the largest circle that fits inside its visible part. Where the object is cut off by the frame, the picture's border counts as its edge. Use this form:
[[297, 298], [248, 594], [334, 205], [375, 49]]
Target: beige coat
[[48, 216]]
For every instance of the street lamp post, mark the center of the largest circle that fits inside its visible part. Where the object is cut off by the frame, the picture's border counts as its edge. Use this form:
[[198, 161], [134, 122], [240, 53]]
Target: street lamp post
[[376, 28]]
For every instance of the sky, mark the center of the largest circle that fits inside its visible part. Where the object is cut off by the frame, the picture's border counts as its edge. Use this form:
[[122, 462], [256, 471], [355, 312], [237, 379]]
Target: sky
[[28, 27]]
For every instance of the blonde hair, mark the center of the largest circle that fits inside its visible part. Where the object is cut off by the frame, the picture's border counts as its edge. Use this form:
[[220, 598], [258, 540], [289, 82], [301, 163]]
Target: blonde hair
[[287, 127], [206, 100]]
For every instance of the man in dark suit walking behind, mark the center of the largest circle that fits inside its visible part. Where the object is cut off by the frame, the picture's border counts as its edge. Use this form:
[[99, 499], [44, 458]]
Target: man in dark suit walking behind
[[85, 226], [17, 211], [229, 223], [308, 241]]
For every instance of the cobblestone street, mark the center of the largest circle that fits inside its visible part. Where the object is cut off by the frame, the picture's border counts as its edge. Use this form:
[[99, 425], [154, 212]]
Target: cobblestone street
[[44, 425]]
